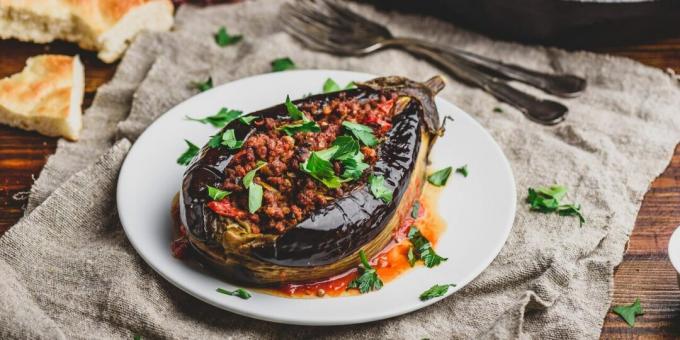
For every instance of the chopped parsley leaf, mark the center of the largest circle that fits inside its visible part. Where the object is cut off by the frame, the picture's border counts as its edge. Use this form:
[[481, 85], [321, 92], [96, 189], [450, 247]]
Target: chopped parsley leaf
[[362, 132], [423, 247], [282, 64], [369, 279], [222, 38], [294, 112], [248, 178], [247, 119], [223, 117], [416, 209], [347, 147], [188, 155], [255, 193], [463, 170], [547, 200], [497, 110], [330, 86], [204, 86], [242, 293], [379, 189], [291, 129], [229, 140], [411, 257], [217, 194], [215, 140], [435, 291], [354, 167], [629, 312], [439, 177], [319, 166]]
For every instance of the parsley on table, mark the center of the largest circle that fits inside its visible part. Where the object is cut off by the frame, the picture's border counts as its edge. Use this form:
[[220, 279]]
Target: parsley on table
[[415, 210], [188, 155], [497, 110], [435, 291], [282, 64], [362, 132], [547, 200], [369, 279], [217, 194], [137, 337], [223, 38], [379, 189], [204, 86], [240, 292], [255, 191], [223, 117], [439, 177], [463, 170], [629, 312], [423, 248]]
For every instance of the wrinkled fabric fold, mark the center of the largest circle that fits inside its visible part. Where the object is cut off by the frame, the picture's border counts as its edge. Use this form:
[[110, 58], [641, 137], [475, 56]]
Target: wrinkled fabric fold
[[69, 271]]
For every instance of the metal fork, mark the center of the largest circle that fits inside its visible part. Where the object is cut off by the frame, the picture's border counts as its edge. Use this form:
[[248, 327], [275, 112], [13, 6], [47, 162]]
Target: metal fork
[[330, 27]]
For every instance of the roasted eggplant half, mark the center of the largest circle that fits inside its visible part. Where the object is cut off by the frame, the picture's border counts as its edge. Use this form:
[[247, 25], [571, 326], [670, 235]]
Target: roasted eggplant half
[[293, 192]]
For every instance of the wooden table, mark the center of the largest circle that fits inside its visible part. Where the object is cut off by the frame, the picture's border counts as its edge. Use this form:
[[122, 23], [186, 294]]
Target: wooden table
[[645, 272]]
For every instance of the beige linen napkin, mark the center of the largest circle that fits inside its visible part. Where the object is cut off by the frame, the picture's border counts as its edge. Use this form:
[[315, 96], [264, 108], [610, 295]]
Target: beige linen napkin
[[68, 270]]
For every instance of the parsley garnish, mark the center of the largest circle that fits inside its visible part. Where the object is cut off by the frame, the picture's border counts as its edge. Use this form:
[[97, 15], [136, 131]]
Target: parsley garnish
[[354, 167], [291, 129], [424, 249], [294, 112], [255, 191], [547, 200], [463, 170], [439, 177], [223, 117], [137, 337], [379, 189], [347, 147], [362, 132], [629, 312], [411, 257], [242, 293], [229, 140], [247, 119], [215, 140], [282, 64], [416, 209], [331, 86], [497, 110], [188, 155], [217, 194], [319, 166], [204, 86], [435, 291], [222, 38], [369, 279]]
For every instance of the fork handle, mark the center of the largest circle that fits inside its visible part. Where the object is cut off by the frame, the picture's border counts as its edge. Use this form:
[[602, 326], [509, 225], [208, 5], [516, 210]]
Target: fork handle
[[546, 112], [563, 85]]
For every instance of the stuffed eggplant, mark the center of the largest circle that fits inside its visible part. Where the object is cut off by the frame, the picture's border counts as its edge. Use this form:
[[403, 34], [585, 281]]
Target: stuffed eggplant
[[292, 193]]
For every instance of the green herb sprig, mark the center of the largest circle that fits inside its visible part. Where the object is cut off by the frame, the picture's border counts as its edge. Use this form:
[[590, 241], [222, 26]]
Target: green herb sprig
[[223, 38], [204, 86], [369, 279], [379, 189], [423, 248], [255, 191], [219, 120], [548, 200], [331, 86], [282, 64], [463, 170], [435, 291], [217, 194], [362, 132], [439, 177], [629, 312], [189, 154], [240, 292]]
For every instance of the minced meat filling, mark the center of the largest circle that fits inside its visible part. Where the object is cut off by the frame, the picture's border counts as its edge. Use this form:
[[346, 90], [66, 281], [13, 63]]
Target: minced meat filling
[[290, 194]]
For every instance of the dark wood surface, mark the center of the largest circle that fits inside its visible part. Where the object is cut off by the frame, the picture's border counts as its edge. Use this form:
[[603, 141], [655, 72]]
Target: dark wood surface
[[645, 272]]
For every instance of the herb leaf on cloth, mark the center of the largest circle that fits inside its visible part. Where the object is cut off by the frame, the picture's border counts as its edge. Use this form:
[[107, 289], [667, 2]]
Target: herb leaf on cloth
[[219, 120], [204, 86], [423, 247], [282, 64], [435, 291], [188, 155], [439, 177], [547, 200], [362, 132], [629, 312], [369, 279], [222, 37], [242, 293], [379, 189]]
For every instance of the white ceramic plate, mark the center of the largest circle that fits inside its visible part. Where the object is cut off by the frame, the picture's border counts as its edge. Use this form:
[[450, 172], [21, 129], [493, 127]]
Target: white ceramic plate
[[674, 250], [475, 234]]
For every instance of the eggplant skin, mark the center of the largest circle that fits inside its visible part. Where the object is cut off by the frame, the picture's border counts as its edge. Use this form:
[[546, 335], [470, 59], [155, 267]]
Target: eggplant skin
[[328, 241]]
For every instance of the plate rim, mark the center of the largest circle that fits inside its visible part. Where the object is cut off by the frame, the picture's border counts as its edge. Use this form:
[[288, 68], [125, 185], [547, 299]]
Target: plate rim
[[292, 321]]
